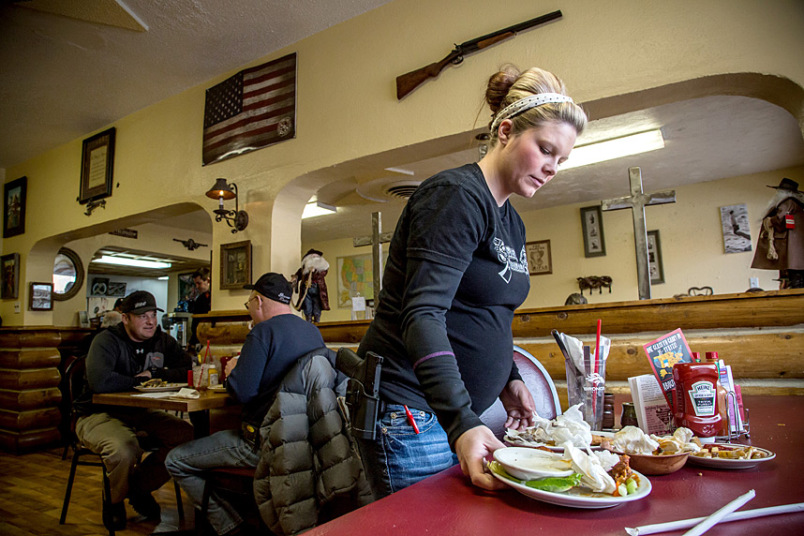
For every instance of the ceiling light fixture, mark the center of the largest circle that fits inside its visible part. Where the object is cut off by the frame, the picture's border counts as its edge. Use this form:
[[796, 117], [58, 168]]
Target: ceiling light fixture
[[222, 191], [317, 208], [632, 144], [139, 263]]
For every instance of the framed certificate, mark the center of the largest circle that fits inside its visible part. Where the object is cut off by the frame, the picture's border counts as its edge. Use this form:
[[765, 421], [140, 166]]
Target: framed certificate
[[97, 166]]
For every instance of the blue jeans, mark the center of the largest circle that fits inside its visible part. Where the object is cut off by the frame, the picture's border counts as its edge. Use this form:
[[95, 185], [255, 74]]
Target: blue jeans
[[399, 456], [187, 463]]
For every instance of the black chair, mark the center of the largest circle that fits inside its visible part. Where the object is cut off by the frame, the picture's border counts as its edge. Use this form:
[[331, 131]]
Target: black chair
[[237, 481], [74, 376]]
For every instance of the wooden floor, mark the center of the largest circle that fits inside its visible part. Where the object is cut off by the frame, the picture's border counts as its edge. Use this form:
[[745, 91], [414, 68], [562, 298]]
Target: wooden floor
[[32, 491]]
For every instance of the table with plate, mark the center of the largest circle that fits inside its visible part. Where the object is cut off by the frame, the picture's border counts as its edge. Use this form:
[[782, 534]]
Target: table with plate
[[197, 408], [447, 504]]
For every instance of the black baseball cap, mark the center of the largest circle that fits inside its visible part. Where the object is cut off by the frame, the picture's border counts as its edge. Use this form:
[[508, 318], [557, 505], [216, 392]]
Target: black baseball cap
[[139, 302], [273, 286]]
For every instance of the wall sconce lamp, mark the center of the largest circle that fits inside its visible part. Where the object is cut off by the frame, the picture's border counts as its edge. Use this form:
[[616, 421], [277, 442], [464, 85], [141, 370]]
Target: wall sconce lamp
[[222, 191]]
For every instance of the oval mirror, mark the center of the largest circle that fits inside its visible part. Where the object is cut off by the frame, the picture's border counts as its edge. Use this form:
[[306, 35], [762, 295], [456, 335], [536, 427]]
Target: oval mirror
[[68, 274]]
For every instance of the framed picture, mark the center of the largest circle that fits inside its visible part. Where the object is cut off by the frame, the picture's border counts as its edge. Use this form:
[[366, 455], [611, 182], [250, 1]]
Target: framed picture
[[540, 259], [594, 244], [355, 279], [99, 287], [40, 297], [736, 230], [235, 265], [187, 291], [14, 207], [655, 258], [116, 289], [97, 166], [10, 286]]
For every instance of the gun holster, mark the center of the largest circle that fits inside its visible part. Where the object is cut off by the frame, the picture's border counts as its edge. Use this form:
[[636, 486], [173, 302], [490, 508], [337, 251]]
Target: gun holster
[[362, 390]]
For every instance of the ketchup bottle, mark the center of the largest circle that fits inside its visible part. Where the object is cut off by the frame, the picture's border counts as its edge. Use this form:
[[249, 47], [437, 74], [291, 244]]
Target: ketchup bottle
[[695, 399]]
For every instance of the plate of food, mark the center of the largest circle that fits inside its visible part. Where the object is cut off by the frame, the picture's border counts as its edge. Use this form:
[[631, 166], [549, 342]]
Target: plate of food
[[551, 434], [730, 456], [574, 479], [156, 385]]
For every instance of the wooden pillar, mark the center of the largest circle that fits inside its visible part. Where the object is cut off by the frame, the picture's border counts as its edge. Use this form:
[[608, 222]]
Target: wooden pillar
[[29, 388]]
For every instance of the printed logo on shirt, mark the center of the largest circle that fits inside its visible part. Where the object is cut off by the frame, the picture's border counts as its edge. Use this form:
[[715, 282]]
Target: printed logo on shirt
[[507, 256], [154, 360]]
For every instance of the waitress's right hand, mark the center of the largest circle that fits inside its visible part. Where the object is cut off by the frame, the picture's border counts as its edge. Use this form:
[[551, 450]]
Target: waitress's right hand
[[472, 448]]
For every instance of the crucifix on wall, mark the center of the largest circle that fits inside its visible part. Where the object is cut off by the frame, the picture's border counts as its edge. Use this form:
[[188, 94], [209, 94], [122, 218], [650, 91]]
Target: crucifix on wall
[[377, 239], [637, 202]]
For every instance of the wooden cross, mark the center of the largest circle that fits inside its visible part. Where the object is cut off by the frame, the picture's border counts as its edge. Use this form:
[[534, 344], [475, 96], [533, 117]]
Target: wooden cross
[[377, 239], [637, 202]]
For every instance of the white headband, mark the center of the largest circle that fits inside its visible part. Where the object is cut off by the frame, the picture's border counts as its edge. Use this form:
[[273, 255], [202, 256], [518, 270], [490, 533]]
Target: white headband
[[522, 105]]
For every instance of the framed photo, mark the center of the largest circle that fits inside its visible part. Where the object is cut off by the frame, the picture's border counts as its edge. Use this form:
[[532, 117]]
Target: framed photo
[[235, 265], [40, 297], [594, 243], [655, 258], [97, 166], [10, 285], [16, 193], [736, 230], [540, 259]]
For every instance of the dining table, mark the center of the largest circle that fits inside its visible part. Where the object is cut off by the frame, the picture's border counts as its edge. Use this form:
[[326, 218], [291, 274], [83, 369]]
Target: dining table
[[197, 408], [447, 504]]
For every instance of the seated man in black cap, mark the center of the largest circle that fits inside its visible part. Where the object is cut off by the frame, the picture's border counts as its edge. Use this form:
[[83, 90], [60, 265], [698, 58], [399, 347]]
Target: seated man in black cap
[[277, 340], [119, 359]]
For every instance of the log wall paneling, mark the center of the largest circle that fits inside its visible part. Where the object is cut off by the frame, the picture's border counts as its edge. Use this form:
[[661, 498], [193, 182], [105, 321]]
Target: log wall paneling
[[29, 387], [761, 335]]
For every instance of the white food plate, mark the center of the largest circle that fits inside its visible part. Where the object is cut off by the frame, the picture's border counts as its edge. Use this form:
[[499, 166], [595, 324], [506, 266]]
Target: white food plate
[[164, 388], [725, 463], [580, 497], [553, 448]]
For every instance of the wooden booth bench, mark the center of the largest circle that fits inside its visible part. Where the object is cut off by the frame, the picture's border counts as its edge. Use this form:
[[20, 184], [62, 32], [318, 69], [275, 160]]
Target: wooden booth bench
[[760, 334]]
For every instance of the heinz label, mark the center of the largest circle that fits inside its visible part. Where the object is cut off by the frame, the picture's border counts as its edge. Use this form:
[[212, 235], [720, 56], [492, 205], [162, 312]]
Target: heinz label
[[702, 395]]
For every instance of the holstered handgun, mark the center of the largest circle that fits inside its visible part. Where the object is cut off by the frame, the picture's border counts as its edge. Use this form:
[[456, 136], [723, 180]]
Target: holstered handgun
[[362, 390]]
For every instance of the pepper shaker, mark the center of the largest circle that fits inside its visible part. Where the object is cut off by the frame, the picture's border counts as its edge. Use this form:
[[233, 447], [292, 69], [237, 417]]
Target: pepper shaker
[[608, 411]]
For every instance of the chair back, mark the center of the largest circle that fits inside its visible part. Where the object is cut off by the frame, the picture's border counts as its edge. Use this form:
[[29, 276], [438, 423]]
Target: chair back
[[540, 385], [74, 376]]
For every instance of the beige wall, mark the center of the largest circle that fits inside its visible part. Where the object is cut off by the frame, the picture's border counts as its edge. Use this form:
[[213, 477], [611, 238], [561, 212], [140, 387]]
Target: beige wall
[[347, 108], [691, 245]]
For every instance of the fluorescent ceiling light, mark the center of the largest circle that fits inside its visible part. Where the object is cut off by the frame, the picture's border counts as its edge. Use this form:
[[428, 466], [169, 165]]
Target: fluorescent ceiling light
[[311, 210], [593, 153], [124, 261], [163, 278]]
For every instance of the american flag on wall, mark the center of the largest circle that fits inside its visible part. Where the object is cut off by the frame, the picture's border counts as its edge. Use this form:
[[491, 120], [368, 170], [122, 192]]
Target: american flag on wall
[[252, 109]]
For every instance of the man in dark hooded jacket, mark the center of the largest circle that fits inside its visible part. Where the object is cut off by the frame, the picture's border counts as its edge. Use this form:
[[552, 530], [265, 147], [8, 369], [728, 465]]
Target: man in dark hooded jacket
[[120, 358]]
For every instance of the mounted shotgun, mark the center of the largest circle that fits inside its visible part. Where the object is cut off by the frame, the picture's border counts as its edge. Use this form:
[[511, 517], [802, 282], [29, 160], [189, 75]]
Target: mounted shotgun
[[408, 82]]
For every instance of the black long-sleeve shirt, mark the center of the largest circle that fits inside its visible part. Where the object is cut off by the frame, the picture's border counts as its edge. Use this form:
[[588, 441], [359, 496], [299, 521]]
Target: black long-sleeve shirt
[[456, 272]]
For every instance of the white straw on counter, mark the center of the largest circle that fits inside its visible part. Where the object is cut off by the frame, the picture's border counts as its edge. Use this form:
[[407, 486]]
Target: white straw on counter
[[736, 516]]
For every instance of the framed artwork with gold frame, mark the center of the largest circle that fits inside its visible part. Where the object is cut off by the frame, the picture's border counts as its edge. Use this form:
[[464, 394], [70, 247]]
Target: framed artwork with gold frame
[[235, 265]]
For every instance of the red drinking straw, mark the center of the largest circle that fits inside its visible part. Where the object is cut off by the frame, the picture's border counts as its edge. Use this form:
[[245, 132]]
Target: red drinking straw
[[597, 347], [206, 354]]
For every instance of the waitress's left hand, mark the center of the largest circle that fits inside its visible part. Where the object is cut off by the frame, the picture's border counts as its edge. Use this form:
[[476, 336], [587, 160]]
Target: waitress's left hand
[[518, 404], [472, 448]]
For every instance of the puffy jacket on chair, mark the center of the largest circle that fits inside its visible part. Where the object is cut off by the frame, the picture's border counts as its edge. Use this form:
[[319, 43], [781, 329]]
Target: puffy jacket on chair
[[309, 471]]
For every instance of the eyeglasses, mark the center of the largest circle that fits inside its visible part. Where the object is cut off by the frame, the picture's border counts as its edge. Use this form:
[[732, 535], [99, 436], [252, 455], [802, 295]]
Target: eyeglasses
[[249, 301]]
